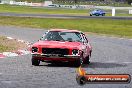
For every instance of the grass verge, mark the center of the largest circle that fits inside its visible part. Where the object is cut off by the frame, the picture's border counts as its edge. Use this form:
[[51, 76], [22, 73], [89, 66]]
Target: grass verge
[[33, 10], [10, 45], [122, 28]]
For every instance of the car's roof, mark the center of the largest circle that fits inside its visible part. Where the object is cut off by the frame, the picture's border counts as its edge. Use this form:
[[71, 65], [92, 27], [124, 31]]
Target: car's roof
[[64, 30]]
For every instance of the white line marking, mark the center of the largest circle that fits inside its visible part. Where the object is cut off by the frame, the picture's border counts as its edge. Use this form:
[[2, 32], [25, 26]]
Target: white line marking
[[118, 62], [110, 61], [7, 82], [130, 39], [127, 62]]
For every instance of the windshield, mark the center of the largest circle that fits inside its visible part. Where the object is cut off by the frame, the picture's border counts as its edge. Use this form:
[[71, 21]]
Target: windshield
[[63, 36]]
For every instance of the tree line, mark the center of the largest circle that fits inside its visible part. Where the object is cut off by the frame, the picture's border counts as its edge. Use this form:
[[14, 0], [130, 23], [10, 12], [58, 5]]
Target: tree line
[[30, 0]]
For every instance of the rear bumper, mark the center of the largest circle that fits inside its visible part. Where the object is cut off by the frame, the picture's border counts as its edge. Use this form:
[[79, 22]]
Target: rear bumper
[[53, 57]]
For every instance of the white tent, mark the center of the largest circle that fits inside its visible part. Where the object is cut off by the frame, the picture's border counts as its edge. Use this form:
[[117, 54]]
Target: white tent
[[5, 1]]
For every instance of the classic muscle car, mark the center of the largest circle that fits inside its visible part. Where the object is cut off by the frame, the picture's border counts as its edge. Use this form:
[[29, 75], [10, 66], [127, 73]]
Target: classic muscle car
[[62, 45]]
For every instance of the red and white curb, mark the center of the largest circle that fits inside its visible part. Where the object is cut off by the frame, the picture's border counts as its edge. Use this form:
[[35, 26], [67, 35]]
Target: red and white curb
[[18, 52], [2, 56]]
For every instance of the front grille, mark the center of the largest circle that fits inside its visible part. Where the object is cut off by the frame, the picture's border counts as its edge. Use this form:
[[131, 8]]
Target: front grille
[[55, 51]]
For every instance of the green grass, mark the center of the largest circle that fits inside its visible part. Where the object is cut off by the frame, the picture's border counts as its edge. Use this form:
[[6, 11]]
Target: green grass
[[122, 28], [4, 47], [26, 9], [128, 15]]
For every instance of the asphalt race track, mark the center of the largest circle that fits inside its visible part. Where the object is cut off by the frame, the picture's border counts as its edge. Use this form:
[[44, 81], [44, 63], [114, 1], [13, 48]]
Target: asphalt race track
[[61, 16], [110, 55]]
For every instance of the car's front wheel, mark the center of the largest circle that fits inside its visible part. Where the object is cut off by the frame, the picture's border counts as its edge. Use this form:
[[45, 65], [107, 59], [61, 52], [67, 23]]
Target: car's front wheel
[[103, 14], [79, 62], [35, 62], [87, 61]]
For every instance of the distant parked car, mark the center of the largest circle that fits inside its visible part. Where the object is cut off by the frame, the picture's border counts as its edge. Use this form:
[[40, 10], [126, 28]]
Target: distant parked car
[[97, 12]]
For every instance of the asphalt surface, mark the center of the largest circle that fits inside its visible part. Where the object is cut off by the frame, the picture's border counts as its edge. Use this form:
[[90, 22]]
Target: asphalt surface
[[110, 55], [61, 16]]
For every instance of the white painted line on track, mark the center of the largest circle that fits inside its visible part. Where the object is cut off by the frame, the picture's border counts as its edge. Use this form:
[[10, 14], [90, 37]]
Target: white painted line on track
[[112, 37], [127, 62], [7, 82], [110, 61], [130, 39]]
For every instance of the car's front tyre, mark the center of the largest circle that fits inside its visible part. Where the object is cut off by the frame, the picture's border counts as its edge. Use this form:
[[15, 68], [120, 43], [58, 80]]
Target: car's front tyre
[[35, 62], [78, 62], [87, 61], [103, 14]]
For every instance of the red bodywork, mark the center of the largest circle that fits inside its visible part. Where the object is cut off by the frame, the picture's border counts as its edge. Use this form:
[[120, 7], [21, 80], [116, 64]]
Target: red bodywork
[[83, 48]]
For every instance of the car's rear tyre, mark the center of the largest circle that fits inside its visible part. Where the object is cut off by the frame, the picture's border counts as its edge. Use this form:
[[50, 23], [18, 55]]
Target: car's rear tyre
[[90, 14], [35, 62], [87, 61]]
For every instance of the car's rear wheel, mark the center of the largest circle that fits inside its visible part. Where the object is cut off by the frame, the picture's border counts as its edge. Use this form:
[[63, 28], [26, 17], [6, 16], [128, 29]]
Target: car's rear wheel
[[35, 62], [90, 14]]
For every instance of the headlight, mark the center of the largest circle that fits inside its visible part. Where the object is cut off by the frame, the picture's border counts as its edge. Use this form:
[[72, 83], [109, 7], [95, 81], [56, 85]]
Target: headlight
[[34, 49], [75, 52]]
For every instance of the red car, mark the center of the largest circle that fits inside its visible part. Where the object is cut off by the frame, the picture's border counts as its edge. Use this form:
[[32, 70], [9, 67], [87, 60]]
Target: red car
[[62, 45]]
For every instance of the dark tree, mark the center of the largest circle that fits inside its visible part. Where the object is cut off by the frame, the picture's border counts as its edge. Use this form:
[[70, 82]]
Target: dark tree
[[75, 1], [129, 1], [31, 0]]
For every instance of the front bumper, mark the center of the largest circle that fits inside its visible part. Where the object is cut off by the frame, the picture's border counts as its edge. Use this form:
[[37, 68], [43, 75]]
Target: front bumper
[[53, 57]]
